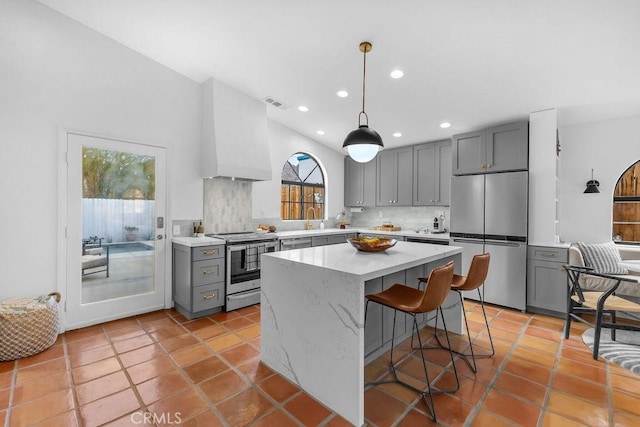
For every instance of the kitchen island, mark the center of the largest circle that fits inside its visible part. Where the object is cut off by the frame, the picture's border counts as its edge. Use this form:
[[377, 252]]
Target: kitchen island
[[312, 314]]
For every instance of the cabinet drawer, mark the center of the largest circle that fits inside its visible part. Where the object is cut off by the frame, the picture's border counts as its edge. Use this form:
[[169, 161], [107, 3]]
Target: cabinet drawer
[[208, 296], [543, 253], [208, 271], [338, 238], [319, 241], [207, 252]]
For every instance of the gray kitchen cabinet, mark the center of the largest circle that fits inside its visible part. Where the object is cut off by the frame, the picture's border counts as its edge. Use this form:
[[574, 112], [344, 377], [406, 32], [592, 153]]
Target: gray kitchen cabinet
[[496, 149], [359, 183], [198, 279], [547, 280], [395, 177], [332, 239], [374, 322], [432, 173], [295, 243], [388, 313]]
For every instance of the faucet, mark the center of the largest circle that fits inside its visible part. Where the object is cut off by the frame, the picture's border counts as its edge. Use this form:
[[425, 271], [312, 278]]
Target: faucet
[[308, 225]]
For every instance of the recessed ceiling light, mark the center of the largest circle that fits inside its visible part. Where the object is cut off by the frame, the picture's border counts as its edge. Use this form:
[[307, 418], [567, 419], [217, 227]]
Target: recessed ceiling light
[[320, 132], [445, 125], [303, 108], [397, 134], [397, 74], [342, 93]]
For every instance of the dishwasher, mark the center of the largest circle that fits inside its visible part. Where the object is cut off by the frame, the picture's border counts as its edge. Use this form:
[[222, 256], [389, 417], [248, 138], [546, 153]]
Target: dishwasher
[[295, 243]]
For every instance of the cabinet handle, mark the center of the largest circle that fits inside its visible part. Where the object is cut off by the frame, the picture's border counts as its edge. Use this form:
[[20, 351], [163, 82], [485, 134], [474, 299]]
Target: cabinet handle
[[547, 254], [213, 295], [213, 252], [209, 271], [482, 166], [488, 165]]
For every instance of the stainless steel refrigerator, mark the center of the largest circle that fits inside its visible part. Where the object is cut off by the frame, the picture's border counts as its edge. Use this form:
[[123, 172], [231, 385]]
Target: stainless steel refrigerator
[[489, 214]]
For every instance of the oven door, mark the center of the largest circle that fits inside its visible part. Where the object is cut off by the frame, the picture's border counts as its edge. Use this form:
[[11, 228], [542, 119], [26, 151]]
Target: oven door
[[243, 265]]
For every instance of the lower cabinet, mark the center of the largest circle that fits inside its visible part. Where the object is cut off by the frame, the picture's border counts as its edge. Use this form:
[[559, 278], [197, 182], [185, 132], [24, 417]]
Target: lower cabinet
[[547, 280], [198, 279], [332, 239]]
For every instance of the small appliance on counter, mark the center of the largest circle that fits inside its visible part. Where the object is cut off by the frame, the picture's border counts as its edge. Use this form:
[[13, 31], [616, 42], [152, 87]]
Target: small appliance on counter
[[438, 225]]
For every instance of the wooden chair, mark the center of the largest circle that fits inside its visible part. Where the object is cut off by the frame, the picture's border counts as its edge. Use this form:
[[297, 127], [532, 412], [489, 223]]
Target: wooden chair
[[600, 304], [413, 301], [472, 281]]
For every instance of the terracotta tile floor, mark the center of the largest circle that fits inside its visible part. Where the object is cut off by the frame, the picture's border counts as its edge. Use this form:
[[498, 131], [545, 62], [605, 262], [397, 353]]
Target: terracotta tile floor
[[206, 372]]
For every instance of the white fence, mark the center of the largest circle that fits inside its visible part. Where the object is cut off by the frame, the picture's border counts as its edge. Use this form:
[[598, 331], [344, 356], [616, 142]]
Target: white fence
[[107, 218]]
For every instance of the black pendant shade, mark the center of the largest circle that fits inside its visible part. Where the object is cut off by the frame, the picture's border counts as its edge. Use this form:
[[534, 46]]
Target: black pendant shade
[[363, 143], [592, 186]]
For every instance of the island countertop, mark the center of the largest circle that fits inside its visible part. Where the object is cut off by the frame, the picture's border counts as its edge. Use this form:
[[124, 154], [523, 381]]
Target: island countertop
[[345, 258]]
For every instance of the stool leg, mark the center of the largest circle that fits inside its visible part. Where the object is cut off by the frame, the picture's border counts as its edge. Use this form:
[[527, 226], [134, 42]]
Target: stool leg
[[472, 354], [429, 403]]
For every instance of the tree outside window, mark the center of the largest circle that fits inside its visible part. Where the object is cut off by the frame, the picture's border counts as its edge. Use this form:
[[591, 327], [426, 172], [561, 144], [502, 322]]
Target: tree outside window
[[302, 188]]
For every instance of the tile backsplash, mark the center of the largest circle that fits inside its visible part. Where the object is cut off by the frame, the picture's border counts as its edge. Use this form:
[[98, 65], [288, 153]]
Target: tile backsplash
[[227, 208], [227, 205], [407, 217]]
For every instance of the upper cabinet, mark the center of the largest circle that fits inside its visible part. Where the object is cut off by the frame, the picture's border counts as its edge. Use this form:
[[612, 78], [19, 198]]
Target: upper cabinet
[[432, 174], [395, 177], [497, 149], [359, 183]]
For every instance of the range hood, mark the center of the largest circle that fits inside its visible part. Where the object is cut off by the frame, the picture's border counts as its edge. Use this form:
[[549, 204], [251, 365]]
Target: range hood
[[234, 134]]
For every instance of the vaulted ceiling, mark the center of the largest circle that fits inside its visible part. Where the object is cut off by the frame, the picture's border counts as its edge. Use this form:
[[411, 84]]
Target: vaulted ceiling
[[468, 62]]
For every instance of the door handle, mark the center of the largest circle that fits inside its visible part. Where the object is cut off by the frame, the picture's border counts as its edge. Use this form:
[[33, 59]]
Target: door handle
[[159, 237]]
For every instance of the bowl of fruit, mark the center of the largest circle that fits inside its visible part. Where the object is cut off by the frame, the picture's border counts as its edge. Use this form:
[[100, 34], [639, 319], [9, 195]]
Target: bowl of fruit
[[371, 243]]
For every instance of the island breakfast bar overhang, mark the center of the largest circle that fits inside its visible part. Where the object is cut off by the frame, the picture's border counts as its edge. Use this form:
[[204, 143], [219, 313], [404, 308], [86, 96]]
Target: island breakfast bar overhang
[[313, 309]]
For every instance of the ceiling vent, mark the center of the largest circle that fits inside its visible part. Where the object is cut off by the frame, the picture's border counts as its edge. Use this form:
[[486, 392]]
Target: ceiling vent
[[276, 103]]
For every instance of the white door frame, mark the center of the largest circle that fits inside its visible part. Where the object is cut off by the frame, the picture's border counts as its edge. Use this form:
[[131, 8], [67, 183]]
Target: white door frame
[[61, 278]]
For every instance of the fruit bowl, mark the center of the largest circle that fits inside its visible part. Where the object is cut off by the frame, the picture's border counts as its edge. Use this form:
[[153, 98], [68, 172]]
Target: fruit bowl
[[371, 243]]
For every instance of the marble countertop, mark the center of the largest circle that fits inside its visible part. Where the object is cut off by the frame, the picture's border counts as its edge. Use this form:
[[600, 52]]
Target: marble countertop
[[326, 231], [197, 241], [367, 265]]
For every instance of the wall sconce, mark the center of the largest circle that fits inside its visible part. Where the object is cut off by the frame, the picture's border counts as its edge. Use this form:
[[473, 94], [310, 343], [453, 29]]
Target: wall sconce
[[592, 185]]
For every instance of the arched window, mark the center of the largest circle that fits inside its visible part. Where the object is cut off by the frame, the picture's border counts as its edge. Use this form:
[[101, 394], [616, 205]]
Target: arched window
[[626, 206], [302, 194]]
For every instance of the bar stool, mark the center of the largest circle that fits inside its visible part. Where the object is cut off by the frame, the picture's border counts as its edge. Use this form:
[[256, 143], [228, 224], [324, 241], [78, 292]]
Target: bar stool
[[473, 280], [413, 301]]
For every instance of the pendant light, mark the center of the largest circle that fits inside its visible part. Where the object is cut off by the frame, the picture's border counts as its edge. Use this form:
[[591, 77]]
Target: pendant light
[[363, 143], [592, 185]]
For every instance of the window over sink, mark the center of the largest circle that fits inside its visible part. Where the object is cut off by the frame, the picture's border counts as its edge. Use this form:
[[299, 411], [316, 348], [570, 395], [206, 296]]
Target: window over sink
[[302, 193]]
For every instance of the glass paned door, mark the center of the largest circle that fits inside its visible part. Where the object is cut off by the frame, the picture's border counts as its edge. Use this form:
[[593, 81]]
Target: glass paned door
[[115, 230]]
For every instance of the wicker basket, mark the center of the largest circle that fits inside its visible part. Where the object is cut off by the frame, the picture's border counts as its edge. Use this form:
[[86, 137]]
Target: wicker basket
[[28, 325]]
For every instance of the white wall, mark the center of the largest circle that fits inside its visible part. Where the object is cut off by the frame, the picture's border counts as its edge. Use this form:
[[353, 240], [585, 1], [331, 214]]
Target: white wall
[[542, 177], [56, 73], [609, 147], [283, 142]]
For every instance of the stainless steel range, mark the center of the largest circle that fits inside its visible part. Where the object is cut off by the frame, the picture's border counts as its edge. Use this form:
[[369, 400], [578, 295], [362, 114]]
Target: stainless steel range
[[243, 266]]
